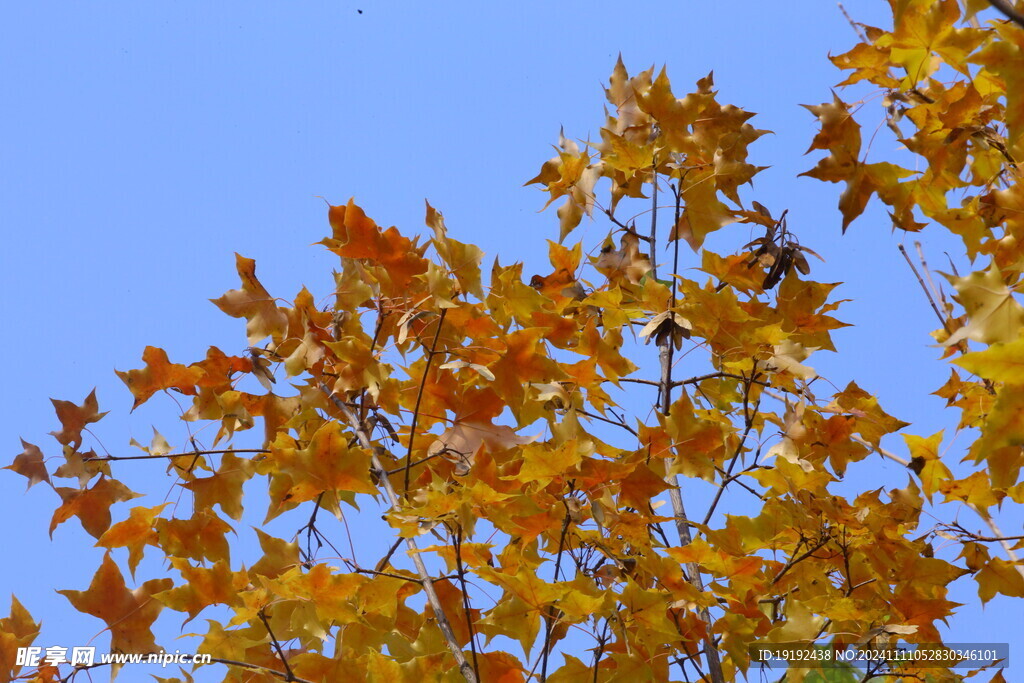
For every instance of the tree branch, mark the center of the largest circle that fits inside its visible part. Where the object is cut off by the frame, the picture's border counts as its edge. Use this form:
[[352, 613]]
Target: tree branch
[[927, 292], [854, 25], [1008, 10], [412, 550], [403, 468], [881, 451], [386, 560], [988, 539], [192, 454], [654, 210], [391, 575], [665, 348], [256, 667], [419, 397], [549, 620], [999, 534], [461, 569], [605, 419], [289, 674], [635, 380], [748, 424], [796, 560]]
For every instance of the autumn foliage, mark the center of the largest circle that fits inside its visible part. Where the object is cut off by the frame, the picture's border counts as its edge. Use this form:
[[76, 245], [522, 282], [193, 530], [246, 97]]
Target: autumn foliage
[[620, 469]]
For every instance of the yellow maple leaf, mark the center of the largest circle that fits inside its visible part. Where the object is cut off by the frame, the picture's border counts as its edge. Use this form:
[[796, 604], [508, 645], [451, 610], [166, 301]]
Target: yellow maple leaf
[[1001, 362], [993, 314]]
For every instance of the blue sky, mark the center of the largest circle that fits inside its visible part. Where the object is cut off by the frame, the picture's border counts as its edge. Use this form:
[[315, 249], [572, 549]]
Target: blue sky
[[146, 142]]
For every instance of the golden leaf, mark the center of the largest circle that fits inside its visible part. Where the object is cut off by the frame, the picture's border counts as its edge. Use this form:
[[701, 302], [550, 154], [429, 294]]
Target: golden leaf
[[993, 314], [128, 614]]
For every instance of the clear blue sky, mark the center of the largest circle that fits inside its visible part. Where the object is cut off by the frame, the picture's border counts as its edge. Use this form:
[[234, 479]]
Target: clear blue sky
[[144, 143]]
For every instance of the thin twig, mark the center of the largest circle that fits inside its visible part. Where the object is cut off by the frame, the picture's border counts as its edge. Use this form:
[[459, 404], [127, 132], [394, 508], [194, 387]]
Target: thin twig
[[549, 621], [735, 479], [692, 380], [190, 454], [991, 523], [289, 674], [418, 462], [936, 292], [845, 545], [602, 642], [348, 533], [796, 560], [924, 287], [381, 314], [373, 572], [311, 527], [984, 539], [634, 380], [386, 560], [748, 424], [419, 397], [457, 539], [881, 451], [615, 220], [856, 27], [605, 419], [654, 214], [443, 623], [256, 667]]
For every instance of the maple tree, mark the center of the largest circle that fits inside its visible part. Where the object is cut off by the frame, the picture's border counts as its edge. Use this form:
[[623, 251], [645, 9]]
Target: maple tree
[[535, 442]]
